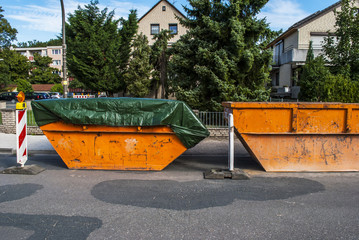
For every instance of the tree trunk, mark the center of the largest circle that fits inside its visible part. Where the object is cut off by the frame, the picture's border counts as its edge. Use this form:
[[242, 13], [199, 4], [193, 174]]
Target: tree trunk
[[163, 74]]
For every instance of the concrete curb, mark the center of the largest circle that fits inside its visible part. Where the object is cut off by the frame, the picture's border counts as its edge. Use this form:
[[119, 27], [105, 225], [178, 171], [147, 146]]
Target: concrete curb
[[7, 151], [236, 174], [25, 170], [12, 151]]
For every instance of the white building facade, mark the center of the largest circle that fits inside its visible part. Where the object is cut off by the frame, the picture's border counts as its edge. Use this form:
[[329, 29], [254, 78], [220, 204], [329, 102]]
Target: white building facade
[[54, 52], [290, 48], [162, 16]]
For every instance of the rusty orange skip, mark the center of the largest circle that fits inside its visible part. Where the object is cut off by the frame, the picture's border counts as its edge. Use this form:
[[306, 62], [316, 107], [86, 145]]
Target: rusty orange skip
[[114, 148], [285, 137]]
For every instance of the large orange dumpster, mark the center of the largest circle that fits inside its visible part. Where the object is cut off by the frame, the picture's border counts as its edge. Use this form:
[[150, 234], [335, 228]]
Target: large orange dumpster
[[299, 136], [118, 133]]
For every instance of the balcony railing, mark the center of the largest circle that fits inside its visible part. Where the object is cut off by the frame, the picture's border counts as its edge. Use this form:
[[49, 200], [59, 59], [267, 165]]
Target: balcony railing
[[293, 55]]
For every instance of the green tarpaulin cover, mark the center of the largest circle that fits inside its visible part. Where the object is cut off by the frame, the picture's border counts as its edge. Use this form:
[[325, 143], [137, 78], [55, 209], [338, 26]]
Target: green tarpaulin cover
[[124, 112]]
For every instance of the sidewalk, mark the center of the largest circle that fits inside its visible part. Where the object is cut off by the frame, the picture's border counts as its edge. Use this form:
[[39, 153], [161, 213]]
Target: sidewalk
[[39, 144]]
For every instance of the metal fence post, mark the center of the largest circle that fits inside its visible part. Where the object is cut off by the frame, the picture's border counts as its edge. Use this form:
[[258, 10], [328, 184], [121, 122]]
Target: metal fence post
[[231, 142]]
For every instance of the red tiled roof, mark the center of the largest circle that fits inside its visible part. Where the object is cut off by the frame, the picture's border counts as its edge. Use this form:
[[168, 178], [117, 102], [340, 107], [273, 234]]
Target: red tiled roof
[[42, 87]]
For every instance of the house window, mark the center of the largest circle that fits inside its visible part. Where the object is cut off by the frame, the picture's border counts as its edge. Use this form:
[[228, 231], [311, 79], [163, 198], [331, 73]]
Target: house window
[[155, 29], [277, 79], [278, 50], [56, 51], [36, 52], [173, 28], [163, 8], [56, 62], [57, 72]]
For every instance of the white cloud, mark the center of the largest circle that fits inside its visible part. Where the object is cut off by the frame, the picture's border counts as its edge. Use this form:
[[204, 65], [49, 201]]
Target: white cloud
[[281, 14], [40, 18], [48, 17]]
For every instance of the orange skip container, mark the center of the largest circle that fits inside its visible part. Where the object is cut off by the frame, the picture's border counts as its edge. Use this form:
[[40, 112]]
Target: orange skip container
[[114, 148], [294, 137]]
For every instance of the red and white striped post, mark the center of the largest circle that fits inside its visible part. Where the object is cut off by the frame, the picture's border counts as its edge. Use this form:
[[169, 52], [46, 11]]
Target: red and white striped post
[[21, 131]]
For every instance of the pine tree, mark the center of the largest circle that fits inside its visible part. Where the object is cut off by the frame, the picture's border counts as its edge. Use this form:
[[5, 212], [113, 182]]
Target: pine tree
[[36, 43], [223, 57], [41, 73], [24, 85], [159, 59], [96, 48], [7, 33], [4, 74], [127, 33], [15, 64], [313, 79], [310, 53], [137, 76]]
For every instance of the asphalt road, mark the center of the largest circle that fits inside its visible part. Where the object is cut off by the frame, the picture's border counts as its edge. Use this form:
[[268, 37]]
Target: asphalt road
[[176, 203]]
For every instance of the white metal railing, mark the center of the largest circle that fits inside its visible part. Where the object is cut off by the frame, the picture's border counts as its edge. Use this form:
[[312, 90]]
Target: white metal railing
[[213, 119]]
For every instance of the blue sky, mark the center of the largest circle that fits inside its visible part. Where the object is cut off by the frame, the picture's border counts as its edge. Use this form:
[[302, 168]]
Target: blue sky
[[41, 19]]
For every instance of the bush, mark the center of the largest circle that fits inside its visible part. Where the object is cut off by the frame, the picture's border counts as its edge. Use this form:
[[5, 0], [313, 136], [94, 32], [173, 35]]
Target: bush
[[339, 88], [57, 88], [24, 85], [312, 81], [318, 84]]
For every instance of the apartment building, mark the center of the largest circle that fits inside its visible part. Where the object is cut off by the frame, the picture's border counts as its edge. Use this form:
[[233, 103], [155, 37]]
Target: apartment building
[[54, 52], [290, 48], [160, 17]]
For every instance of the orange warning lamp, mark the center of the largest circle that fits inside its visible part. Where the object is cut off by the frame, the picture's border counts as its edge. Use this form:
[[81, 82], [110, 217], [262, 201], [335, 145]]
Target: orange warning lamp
[[21, 105], [20, 97]]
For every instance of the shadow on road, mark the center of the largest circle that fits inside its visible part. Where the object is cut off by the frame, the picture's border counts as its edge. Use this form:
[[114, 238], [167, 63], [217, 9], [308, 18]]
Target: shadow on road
[[50, 226], [18, 191], [174, 195], [50, 162]]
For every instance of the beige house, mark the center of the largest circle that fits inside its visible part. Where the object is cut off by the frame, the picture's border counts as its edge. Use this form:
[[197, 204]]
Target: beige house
[[290, 49], [54, 52], [160, 17]]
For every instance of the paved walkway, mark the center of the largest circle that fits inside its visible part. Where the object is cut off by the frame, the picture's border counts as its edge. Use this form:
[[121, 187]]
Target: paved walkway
[[39, 144], [36, 144]]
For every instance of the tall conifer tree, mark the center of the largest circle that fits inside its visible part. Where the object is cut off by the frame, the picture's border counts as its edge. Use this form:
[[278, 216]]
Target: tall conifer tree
[[223, 57], [7, 33], [97, 49], [137, 76], [159, 59], [41, 72]]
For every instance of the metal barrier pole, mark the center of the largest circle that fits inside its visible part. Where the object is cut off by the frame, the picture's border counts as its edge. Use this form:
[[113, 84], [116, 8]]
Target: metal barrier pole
[[21, 130], [231, 142], [231, 172]]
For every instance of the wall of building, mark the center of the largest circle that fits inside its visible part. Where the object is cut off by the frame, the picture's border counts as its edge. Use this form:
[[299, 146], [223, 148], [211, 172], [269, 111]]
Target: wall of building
[[55, 55], [321, 24], [291, 42], [285, 73], [163, 18], [44, 51], [9, 123]]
